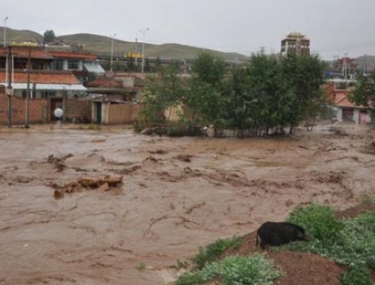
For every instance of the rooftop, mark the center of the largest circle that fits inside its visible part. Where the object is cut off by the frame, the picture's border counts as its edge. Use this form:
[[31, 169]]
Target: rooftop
[[42, 77]]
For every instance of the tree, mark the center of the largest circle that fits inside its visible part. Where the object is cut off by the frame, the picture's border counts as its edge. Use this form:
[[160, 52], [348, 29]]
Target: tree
[[130, 64], [158, 65], [49, 36], [164, 90], [209, 68], [364, 92], [304, 77]]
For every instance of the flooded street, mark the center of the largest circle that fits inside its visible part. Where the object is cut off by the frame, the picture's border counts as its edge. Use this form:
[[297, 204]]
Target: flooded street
[[177, 194]]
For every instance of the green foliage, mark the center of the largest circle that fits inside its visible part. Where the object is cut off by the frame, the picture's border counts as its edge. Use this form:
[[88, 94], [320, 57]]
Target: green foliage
[[209, 68], [319, 221], [249, 270], [214, 250], [266, 95], [141, 266], [49, 36], [350, 243], [364, 92], [356, 276]]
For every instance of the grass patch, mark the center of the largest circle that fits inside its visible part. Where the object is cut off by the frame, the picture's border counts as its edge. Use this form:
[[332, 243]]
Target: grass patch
[[141, 266], [356, 276], [350, 242], [319, 221], [214, 250], [256, 269]]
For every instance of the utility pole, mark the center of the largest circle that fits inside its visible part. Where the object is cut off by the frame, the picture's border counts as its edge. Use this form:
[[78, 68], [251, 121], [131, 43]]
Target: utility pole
[[143, 49], [28, 90], [112, 52], [365, 65], [136, 51], [9, 88], [5, 32]]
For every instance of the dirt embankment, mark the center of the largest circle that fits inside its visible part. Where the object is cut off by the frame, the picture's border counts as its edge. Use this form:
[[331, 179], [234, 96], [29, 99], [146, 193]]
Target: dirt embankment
[[175, 195]]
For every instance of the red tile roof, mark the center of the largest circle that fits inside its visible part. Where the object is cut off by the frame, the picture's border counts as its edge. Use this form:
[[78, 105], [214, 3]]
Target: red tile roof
[[23, 52], [73, 55], [43, 77]]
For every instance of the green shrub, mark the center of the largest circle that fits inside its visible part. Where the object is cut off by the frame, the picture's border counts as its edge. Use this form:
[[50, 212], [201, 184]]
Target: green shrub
[[249, 270], [319, 221], [190, 278], [356, 276], [350, 243], [213, 251]]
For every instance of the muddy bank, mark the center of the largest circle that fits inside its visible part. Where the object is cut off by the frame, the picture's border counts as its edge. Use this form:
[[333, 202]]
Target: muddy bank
[[176, 194]]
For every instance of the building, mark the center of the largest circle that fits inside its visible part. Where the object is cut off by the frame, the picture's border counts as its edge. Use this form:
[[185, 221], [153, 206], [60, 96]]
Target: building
[[295, 43], [84, 66], [343, 109]]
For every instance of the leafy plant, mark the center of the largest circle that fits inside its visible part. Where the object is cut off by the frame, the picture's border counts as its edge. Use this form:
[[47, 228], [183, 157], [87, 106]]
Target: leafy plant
[[214, 250], [356, 276], [319, 221], [249, 270]]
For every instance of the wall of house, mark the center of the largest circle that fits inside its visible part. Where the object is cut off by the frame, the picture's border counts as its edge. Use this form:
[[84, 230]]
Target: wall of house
[[122, 113], [38, 110], [114, 113], [77, 110]]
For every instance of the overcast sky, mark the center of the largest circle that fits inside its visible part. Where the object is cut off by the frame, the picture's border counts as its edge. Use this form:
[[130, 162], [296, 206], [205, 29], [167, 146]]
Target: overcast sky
[[335, 27]]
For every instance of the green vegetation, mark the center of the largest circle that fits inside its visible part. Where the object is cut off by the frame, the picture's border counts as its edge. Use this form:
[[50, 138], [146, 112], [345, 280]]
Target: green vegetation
[[49, 36], [349, 242], [356, 276], [256, 269], [141, 266], [320, 222], [265, 96], [364, 92], [214, 250]]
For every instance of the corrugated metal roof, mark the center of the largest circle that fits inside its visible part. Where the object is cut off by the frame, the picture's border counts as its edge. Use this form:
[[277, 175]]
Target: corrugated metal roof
[[94, 67], [68, 87]]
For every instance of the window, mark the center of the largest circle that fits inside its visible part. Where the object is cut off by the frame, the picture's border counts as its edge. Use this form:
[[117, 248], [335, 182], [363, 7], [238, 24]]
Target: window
[[73, 64], [46, 94], [58, 65]]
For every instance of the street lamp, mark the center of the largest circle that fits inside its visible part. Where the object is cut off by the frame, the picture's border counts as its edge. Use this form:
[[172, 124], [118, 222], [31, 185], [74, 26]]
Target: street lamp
[[5, 31], [112, 52], [143, 49]]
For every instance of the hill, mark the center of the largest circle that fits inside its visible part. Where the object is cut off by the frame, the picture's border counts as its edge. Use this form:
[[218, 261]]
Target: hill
[[101, 45]]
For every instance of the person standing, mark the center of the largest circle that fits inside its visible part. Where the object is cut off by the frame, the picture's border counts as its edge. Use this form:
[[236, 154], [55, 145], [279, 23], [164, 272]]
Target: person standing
[[58, 113]]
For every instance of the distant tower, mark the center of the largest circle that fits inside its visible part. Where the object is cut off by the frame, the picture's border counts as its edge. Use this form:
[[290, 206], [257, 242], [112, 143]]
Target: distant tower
[[295, 43]]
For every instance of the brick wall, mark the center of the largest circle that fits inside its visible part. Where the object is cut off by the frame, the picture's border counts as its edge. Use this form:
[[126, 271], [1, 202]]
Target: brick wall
[[78, 110], [38, 110], [123, 113]]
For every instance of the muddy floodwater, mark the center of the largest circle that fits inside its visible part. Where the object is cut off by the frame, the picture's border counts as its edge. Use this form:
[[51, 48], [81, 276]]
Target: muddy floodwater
[[176, 194]]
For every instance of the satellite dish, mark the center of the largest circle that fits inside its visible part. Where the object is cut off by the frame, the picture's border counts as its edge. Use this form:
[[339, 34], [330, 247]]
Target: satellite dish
[[58, 113]]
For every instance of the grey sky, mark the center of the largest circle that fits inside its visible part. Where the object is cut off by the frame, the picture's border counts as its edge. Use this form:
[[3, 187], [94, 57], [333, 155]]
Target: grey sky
[[334, 26]]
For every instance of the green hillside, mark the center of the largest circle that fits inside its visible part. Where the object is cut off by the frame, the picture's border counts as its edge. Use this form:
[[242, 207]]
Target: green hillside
[[101, 45], [22, 35]]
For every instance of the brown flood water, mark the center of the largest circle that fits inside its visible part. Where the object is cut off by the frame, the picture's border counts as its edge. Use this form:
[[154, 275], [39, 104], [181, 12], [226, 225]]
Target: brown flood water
[[177, 194]]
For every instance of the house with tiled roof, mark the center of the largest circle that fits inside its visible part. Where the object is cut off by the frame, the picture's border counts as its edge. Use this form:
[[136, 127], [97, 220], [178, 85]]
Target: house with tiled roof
[[344, 109], [44, 84], [84, 66]]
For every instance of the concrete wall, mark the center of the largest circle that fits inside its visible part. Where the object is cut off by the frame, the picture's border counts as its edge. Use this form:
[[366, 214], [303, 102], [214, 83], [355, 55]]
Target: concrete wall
[[116, 113], [38, 110], [123, 113], [77, 110]]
